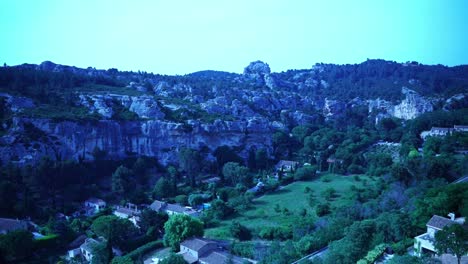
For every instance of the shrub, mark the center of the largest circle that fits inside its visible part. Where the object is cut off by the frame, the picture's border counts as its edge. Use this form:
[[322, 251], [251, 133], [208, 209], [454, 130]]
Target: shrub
[[326, 178], [322, 209], [304, 173], [373, 255], [135, 254]]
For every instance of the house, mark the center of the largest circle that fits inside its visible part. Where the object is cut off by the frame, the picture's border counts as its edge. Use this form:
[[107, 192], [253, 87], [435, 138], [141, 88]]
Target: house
[[172, 209], [286, 165], [425, 243], [7, 225], [460, 128], [129, 211], [94, 204], [442, 131], [86, 249], [207, 251]]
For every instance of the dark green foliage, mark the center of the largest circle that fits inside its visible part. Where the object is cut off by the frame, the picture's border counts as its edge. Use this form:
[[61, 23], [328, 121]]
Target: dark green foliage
[[139, 252], [305, 173], [275, 233], [441, 201], [322, 209], [152, 223], [180, 227], [452, 239], [225, 154], [163, 188], [354, 245], [16, 245], [219, 209], [189, 161], [114, 229], [123, 181], [236, 174], [173, 259], [239, 231], [122, 260], [405, 259]]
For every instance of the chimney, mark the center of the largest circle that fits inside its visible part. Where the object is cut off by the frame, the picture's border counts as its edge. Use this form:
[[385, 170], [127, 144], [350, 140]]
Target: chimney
[[452, 216]]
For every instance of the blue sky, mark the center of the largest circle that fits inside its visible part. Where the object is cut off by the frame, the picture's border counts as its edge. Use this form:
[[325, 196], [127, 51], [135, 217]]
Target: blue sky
[[183, 36]]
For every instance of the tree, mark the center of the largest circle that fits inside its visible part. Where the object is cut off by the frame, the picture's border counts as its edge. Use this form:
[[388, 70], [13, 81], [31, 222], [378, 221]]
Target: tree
[[195, 199], [225, 154], [453, 240], [261, 159], [305, 173], [122, 180], [239, 231], [220, 209], [152, 222], [163, 188], [122, 260], [235, 174], [16, 245], [173, 259], [189, 161], [114, 229], [179, 227]]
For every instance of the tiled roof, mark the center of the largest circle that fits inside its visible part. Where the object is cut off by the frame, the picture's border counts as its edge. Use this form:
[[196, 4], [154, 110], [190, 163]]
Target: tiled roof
[[7, 224], [196, 243], [215, 257], [439, 222], [89, 244], [189, 258], [289, 163], [126, 211], [157, 205], [96, 201]]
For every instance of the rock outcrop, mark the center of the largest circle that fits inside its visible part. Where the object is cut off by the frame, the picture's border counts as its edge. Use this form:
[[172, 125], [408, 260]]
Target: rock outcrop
[[160, 139], [412, 106]]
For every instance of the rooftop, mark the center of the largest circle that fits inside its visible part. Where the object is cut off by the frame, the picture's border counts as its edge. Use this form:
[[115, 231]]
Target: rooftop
[[439, 222], [8, 224], [215, 257], [196, 243], [289, 163], [96, 201]]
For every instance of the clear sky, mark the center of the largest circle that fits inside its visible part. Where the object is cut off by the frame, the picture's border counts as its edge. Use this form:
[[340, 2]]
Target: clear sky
[[183, 36]]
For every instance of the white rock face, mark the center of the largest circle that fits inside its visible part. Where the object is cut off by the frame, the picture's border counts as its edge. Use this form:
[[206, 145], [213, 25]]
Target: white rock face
[[144, 106], [16, 104], [412, 106]]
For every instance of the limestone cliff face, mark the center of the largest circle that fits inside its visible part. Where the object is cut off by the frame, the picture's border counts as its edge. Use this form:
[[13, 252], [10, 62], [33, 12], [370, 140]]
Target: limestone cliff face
[[160, 139], [412, 106]]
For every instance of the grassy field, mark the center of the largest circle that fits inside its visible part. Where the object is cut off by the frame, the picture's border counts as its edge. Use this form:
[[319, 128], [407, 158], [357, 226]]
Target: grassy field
[[294, 198]]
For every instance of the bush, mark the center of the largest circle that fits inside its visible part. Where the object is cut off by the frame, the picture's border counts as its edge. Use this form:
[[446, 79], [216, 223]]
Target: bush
[[322, 209], [137, 253], [401, 247], [273, 233], [243, 249], [239, 231], [373, 255], [305, 173], [326, 178]]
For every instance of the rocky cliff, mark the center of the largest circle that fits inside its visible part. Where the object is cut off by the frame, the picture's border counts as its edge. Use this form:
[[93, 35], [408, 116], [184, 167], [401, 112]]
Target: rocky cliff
[[145, 114]]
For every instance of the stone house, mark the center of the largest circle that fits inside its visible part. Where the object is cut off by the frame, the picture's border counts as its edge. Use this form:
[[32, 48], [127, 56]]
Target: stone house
[[425, 243], [173, 209], [206, 251], [95, 204], [286, 165], [130, 212]]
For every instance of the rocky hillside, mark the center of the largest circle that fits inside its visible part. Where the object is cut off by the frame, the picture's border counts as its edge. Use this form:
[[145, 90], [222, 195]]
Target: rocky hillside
[[67, 112]]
